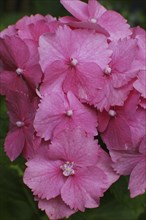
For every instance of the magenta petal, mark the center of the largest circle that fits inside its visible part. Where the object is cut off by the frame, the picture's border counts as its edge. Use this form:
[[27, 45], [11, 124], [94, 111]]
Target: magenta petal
[[42, 178], [14, 143], [55, 208], [137, 184], [84, 189]]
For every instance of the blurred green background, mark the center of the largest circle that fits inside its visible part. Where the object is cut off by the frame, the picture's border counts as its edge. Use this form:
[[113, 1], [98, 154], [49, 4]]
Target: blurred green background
[[16, 201]]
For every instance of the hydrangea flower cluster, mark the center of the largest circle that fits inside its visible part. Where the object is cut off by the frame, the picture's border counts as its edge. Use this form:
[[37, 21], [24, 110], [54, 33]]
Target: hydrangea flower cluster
[[66, 82]]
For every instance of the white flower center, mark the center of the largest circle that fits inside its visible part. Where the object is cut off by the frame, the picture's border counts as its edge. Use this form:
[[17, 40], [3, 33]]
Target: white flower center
[[69, 113], [68, 168], [74, 61], [19, 71], [20, 124], [107, 70], [112, 113], [93, 20]]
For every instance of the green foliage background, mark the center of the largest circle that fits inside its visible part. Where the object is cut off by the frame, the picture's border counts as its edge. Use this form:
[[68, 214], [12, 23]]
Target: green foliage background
[[16, 200]]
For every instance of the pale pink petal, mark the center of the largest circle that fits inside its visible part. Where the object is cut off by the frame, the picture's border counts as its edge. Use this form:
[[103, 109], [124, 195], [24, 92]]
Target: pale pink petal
[[55, 208]]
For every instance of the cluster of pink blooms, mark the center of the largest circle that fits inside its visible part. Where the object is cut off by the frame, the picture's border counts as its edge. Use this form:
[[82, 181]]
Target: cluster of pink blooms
[[66, 81]]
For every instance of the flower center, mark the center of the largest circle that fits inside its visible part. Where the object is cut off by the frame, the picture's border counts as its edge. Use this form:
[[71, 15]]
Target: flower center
[[19, 124], [74, 61], [19, 71], [112, 113], [69, 113], [68, 168], [93, 20], [107, 70]]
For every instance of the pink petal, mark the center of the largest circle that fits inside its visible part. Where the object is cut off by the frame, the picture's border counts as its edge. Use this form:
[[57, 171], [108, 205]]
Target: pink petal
[[115, 24], [84, 189], [47, 118], [14, 51], [14, 143], [74, 146], [137, 184], [55, 208], [125, 161], [33, 76], [123, 53], [95, 9], [105, 163], [140, 83], [81, 80], [42, 179], [77, 8], [142, 147], [120, 130], [8, 78]]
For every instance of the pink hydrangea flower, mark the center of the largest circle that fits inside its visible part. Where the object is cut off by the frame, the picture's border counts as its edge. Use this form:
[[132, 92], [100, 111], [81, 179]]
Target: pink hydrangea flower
[[21, 111], [76, 56], [71, 161], [132, 162], [116, 81], [126, 124], [93, 15], [58, 111], [21, 63]]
